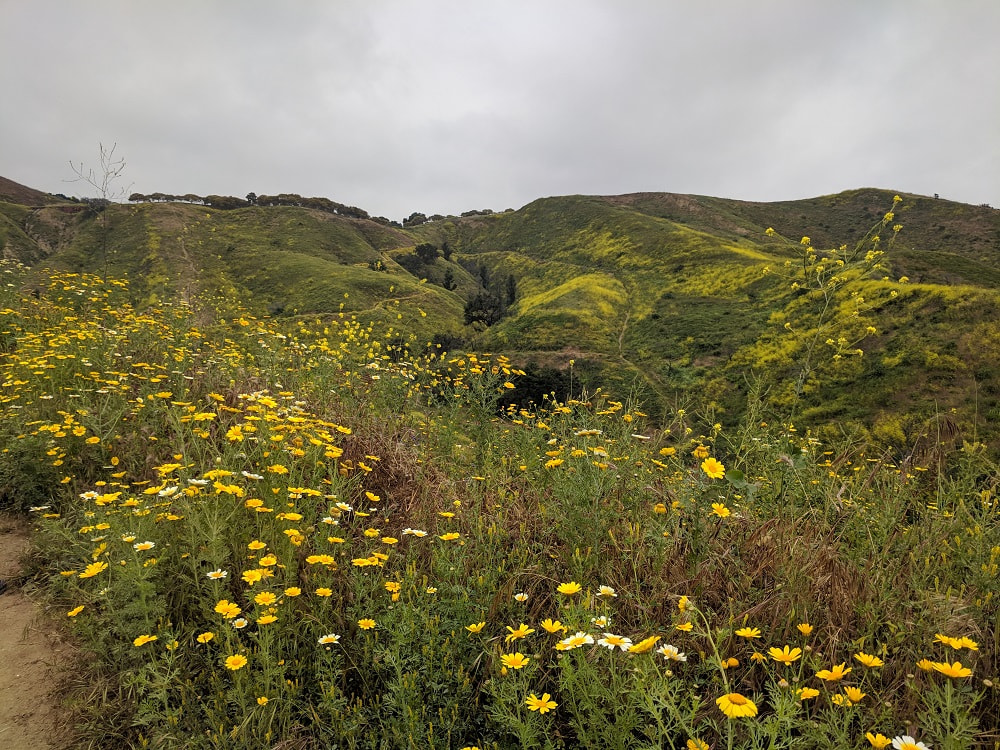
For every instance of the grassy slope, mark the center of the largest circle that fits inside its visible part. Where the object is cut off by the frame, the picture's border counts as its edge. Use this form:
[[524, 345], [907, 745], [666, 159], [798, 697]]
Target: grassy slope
[[14, 192], [665, 294], [279, 260], [943, 242], [642, 293]]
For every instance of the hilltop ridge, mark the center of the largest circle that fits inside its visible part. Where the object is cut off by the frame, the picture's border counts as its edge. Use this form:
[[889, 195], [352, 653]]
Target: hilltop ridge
[[15, 192]]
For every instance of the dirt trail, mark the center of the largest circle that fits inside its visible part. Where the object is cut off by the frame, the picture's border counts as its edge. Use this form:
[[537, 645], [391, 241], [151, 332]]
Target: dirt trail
[[30, 654]]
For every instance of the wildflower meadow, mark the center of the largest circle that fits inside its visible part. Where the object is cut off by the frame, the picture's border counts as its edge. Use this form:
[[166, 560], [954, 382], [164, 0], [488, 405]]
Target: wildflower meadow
[[317, 532]]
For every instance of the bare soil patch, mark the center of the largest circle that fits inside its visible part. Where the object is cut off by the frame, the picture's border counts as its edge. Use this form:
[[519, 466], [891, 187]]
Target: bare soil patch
[[32, 656]]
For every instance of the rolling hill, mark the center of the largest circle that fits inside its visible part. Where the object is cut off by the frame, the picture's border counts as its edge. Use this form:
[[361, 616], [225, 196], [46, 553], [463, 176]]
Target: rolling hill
[[679, 300]]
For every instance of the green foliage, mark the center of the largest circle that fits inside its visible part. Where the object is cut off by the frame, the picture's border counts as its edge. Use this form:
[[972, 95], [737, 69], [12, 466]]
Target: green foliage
[[664, 294], [417, 564], [426, 252]]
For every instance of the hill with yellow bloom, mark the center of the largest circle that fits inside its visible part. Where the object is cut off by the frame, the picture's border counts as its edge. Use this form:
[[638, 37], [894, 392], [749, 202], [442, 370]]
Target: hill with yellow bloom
[[882, 320], [311, 531]]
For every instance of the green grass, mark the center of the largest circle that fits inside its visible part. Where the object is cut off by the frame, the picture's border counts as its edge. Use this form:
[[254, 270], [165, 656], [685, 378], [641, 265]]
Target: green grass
[[678, 296], [14, 241], [185, 462]]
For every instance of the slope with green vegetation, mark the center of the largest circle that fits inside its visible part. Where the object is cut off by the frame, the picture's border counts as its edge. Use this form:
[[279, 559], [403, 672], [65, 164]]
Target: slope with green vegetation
[[669, 297], [284, 533], [277, 259]]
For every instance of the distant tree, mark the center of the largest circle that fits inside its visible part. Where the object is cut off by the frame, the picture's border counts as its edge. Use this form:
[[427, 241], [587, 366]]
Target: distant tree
[[95, 206], [511, 289], [415, 219], [447, 341], [354, 212], [225, 202], [252, 199], [446, 250], [537, 383], [449, 280], [104, 181], [426, 252], [411, 262], [137, 197], [486, 308]]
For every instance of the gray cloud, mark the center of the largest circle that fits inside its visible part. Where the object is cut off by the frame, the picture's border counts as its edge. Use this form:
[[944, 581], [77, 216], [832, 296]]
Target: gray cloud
[[440, 106]]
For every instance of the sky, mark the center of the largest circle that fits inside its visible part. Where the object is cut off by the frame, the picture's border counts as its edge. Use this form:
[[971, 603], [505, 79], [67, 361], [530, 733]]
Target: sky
[[441, 106]]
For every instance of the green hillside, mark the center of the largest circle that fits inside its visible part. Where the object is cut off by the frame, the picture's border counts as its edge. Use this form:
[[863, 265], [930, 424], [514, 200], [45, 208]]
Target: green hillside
[[667, 297], [274, 533], [681, 295], [279, 260], [288, 487]]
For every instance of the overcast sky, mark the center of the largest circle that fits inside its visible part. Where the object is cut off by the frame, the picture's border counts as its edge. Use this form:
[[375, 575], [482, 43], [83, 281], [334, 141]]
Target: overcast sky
[[440, 107]]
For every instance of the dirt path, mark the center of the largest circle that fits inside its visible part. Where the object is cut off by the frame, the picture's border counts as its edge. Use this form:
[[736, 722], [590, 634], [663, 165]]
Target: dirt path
[[30, 654]]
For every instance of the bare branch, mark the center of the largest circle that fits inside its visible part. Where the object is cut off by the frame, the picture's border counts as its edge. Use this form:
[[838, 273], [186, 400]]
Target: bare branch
[[103, 182]]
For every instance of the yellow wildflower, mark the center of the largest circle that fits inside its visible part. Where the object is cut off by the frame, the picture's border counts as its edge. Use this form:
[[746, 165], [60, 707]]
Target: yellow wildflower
[[542, 704], [736, 706]]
